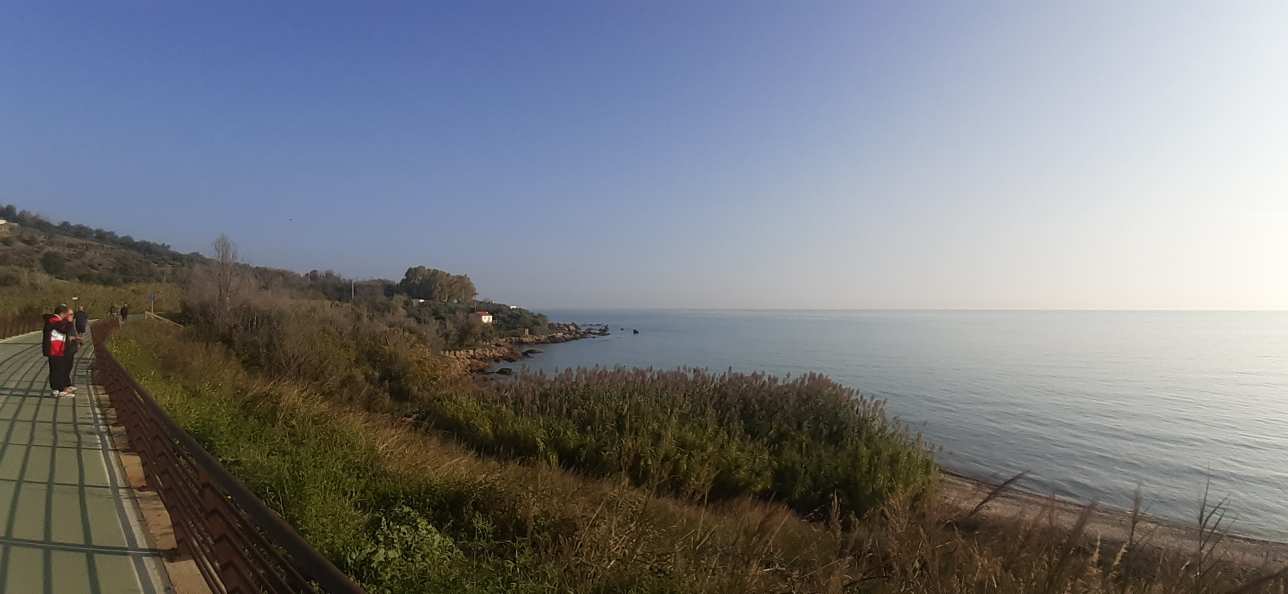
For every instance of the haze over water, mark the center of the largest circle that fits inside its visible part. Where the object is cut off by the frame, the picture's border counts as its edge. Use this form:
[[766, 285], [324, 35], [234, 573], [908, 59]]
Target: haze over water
[[1091, 403]]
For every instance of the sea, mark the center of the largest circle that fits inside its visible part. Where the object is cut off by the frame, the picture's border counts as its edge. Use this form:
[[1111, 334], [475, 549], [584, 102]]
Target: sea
[[1093, 405]]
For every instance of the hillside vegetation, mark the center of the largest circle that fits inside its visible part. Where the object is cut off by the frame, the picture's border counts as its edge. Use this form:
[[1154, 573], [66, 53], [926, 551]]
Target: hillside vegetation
[[69, 251], [24, 304], [403, 509], [688, 434], [332, 400], [40, 262]]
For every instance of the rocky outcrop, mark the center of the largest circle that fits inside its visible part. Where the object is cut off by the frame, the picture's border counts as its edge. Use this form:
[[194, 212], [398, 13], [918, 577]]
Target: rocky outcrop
[[499, 352], [559, 333], [478, 359]]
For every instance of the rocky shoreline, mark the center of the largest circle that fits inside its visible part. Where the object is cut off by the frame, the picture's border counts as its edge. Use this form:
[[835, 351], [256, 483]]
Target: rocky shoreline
[[510, 349]]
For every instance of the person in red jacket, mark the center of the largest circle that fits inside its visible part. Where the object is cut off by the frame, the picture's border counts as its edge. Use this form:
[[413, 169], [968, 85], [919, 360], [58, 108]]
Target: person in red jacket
[[57, 343]]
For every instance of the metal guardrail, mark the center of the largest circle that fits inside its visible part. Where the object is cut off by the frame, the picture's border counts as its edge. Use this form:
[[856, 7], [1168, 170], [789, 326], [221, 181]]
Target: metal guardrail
[[237, 542], [154, 316]]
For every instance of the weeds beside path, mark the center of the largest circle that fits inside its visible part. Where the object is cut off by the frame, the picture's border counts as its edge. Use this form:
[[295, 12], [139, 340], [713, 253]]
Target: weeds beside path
[[402, 510]]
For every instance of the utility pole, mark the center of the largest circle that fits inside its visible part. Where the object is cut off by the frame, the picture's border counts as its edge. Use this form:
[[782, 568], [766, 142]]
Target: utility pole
[[352, 290]]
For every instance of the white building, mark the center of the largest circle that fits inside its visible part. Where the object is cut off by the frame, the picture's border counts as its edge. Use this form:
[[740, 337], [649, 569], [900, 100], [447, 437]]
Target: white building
[[482, 317]]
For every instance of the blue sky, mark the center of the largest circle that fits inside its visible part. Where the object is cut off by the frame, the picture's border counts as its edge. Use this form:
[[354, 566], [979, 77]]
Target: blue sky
[[679, 154]]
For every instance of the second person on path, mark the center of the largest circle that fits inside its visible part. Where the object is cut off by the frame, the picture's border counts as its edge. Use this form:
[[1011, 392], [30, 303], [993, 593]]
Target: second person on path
[[82, 320]]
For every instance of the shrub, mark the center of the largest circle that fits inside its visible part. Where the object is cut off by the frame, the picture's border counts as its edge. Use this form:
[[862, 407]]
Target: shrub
[[345, 350], [54, 263], [10, 276]]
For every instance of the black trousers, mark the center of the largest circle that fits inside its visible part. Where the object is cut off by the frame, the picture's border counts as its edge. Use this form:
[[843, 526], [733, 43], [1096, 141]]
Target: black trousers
[[60, 372]]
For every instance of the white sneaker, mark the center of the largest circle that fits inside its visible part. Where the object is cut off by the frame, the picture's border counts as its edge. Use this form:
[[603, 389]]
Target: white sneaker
[[57, 394], [70, 389]]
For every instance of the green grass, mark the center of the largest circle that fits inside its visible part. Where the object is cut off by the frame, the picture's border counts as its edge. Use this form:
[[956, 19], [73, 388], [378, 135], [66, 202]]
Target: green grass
[[701, 436], [405, 511], [401, 511], [324, 475]]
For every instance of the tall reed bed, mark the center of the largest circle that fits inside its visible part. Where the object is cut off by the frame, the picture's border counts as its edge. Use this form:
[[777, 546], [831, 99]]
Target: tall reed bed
[[700, 435]]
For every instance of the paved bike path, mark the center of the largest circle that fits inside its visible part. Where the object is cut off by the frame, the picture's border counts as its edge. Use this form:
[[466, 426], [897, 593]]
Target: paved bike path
[[70, 522]]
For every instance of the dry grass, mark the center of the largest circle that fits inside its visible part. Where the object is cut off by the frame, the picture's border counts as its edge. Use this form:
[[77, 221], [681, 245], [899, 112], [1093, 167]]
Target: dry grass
[[38, 295], [404, 511]]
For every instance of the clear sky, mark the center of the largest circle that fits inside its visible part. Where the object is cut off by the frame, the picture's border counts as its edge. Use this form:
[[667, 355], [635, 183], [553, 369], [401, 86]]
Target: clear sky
[[736, 154]]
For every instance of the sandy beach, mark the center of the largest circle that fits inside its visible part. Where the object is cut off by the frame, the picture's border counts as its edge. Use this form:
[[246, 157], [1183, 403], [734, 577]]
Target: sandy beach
[[1110, 525]]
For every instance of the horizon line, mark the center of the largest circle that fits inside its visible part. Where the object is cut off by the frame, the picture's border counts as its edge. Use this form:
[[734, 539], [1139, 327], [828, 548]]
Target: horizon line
[[915, 309]]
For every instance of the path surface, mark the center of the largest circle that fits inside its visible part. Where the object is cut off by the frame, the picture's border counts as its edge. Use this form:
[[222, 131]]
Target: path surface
[[70, 522]]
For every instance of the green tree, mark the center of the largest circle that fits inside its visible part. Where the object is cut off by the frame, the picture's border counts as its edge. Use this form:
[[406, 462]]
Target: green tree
[[438, 286]]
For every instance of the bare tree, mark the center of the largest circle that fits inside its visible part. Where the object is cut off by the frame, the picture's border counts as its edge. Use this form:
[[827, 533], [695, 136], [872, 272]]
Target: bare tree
[[225, 271]]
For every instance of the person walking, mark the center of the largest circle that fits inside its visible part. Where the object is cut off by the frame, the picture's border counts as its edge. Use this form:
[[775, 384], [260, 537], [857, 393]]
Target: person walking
[[57, 344], [125, 313], [80, 325], [82, 320]]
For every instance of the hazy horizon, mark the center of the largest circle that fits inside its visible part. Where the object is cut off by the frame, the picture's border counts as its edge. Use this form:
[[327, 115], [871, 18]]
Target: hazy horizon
[[718, 155], [912, 310]]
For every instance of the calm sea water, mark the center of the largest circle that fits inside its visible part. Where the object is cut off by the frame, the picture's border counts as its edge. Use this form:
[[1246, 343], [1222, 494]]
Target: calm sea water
[[1091, 403]]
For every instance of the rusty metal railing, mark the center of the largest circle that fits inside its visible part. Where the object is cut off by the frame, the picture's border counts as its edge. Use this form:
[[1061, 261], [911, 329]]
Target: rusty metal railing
[[237, 542]]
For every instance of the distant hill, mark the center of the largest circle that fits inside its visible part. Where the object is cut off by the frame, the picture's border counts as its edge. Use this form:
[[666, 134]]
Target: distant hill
[[28, 242], [33, 250]]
